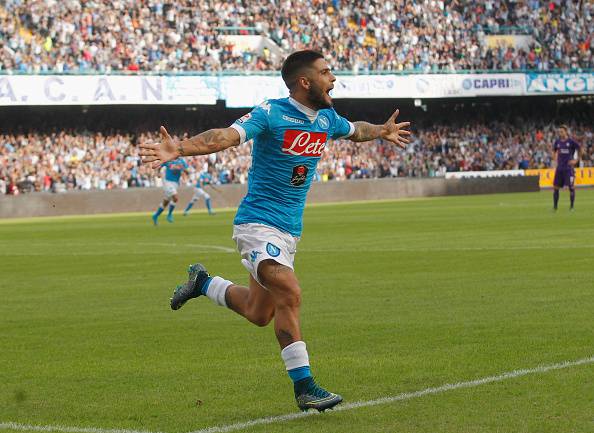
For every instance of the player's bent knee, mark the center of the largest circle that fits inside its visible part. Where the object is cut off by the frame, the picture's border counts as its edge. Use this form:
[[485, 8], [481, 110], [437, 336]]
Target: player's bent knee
[[262, 320], [290, 299]]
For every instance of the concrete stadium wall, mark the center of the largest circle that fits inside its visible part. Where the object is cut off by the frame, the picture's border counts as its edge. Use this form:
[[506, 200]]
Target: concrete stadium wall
[[146, 199]]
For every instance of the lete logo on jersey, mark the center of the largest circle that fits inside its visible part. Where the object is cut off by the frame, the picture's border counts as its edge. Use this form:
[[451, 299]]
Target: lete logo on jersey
[[304, 143]]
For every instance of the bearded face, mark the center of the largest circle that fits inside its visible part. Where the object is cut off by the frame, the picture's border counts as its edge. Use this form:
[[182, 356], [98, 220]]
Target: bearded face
[[319, 95]]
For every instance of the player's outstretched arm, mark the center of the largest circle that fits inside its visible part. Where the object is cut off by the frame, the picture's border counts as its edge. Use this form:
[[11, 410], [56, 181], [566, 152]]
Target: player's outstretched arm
[[391, 131], [211, 141]]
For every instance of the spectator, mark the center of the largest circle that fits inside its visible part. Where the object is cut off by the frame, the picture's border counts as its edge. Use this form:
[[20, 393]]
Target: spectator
[[102, 36], [65, 161]]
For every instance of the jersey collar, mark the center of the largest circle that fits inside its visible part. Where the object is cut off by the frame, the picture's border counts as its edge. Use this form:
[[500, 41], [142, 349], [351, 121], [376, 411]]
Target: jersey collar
[[311, 114]]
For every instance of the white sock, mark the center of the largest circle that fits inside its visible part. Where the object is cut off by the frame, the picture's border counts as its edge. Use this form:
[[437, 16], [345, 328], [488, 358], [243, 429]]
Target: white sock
[[216, 290], [295, 355]]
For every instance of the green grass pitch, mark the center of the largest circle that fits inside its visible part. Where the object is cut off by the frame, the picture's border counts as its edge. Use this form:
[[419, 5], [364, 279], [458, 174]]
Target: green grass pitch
[[397, 297]]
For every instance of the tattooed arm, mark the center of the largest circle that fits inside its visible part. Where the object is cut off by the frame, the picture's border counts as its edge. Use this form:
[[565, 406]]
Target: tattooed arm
[[365, 131], [211, 141], [391, 131]]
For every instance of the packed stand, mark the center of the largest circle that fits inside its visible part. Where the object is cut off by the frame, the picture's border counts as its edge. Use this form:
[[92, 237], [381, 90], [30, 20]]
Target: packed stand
[[63, 161], [375, 35]]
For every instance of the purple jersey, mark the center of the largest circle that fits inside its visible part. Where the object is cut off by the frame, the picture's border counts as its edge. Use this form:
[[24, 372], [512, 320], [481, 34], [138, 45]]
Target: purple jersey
[[566, 150]]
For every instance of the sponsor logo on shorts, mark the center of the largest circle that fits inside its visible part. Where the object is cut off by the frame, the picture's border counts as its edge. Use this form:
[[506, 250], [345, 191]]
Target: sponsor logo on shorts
[[292, 119], [304, 143], [299, 175], [254, 255], [272, 250]]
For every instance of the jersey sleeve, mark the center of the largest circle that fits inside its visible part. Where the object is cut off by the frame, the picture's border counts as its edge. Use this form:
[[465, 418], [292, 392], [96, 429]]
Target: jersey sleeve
[[576, 145], [254, 123], [342, 127], [556, 145]]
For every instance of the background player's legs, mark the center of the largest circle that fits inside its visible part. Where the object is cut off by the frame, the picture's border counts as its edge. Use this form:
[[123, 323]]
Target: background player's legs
[[197, 195], [255, 303], [571, 197], [171, 208], [208, 206], [160, 210], [555, 197], [191, 203]]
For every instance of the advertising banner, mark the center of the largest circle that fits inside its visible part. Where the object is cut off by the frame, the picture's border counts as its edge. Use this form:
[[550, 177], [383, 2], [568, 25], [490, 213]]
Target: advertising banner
[[483, 174], [106, 89], [250, 90], [465, 85], [560, 83], [583, 176]]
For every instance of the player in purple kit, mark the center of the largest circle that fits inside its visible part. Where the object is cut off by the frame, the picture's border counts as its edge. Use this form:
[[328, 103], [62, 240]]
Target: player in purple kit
[[290, 135], [567, 153]]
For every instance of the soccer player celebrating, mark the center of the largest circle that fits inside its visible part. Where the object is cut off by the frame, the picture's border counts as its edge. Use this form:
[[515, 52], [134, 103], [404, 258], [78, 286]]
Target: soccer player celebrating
[[173, 172], [204, 179], [290, 135], [567, 153]]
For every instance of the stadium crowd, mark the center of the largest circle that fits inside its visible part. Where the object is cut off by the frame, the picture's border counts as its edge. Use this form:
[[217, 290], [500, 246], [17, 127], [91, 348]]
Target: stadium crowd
[[62, 161], [375, 35]]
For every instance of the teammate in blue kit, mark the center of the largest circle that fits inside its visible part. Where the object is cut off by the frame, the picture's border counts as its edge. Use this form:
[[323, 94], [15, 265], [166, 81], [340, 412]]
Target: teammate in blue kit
[[204, 179], [173, 172], [566, 152], [290, 135]]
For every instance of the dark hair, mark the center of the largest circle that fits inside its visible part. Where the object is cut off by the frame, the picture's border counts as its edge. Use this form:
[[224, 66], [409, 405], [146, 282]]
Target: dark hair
[[295, 63], [564, 126]]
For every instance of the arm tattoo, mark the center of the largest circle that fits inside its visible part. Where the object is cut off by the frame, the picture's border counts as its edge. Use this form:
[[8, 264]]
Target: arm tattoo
[[210, 141], [365, 131]]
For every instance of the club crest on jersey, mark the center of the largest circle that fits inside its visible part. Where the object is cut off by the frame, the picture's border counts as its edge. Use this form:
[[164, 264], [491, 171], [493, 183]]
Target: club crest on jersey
[[244, 118], [272, 250], [304, 143], [323, 122], [299, 175]]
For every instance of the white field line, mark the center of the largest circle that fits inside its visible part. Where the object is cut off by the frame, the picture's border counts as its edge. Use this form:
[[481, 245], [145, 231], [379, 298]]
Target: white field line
[[58, 428], [399, 397], [200, 248], [349, 406]]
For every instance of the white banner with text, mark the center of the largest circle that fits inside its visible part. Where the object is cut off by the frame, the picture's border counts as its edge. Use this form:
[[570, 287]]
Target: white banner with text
[[106, 89], [250, 90]]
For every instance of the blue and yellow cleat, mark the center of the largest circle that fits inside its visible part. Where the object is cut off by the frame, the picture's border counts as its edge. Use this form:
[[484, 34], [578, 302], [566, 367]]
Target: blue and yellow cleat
[[197, 278], [309, 395]]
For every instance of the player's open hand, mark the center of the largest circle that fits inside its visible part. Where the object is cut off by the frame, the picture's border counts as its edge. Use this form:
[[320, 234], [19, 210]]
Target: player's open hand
[[156, 154], [396, 132]]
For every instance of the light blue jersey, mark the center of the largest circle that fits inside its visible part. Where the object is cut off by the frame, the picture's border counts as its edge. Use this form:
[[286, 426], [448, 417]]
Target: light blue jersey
[[204, 179], [174, 169], [289, 140]]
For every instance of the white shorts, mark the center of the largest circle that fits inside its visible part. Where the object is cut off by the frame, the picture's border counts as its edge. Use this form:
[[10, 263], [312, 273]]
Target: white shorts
[[170, 189], [257, 242], [199, 192]]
